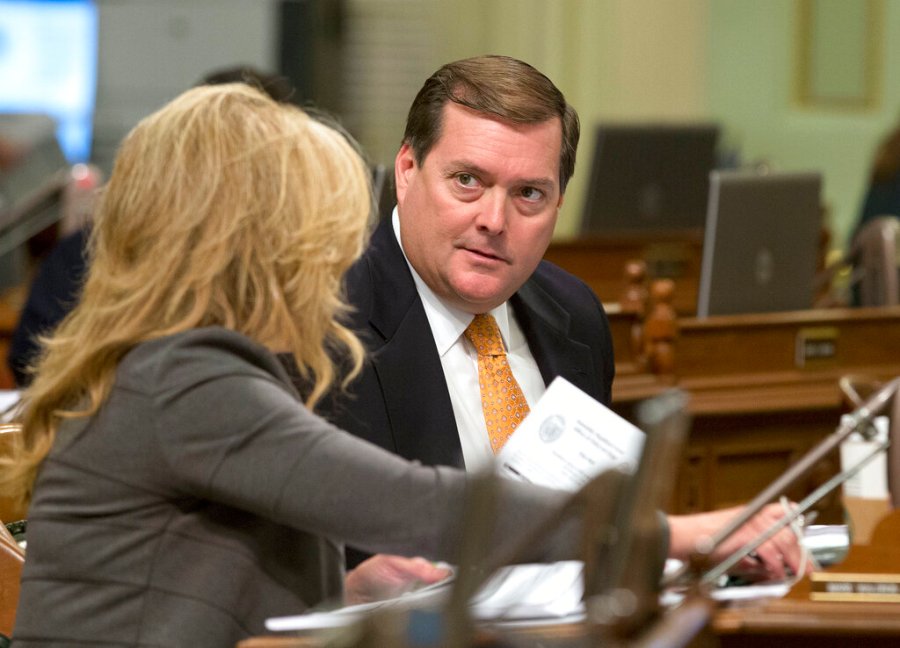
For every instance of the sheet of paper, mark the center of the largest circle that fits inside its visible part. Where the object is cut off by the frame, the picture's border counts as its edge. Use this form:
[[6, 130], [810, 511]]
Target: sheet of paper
[[522, 592], [533, 591], [870, 482], [569, 438], [8, 398]]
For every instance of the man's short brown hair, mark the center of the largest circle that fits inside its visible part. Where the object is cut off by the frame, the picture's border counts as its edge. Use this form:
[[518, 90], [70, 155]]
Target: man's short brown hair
[[504, 87]]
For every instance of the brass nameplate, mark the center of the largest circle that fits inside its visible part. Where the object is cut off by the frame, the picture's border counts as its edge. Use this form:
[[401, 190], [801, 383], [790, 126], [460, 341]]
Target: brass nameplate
[[873, 588], [816, 346]]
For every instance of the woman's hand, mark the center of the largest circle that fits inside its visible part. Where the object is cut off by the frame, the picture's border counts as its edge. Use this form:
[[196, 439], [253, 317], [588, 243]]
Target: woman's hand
[[384, 576], [773, 560]]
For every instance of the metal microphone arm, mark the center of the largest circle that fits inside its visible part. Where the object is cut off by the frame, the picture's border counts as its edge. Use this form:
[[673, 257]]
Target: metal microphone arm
[[797, 511], [859, 420]]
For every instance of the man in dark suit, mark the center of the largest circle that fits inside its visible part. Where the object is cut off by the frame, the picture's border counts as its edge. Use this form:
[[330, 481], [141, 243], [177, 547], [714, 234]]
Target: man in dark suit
[[476, 211], [402, 401], [489, 147]]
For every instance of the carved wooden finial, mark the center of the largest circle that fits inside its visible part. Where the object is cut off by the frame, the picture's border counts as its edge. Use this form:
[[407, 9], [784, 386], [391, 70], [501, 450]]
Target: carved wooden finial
[[661, 328], [634, 298], [634, 301]]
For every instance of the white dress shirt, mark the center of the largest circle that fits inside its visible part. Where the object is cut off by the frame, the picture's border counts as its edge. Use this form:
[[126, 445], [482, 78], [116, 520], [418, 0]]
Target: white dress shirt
[[460, 363]]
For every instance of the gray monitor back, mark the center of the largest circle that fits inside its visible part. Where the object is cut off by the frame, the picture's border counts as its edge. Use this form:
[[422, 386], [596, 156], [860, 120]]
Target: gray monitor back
[[38, 171], [761, 243], [648, 176]]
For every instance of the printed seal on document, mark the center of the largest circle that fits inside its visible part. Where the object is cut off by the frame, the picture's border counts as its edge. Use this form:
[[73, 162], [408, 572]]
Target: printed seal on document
[[552, 428]]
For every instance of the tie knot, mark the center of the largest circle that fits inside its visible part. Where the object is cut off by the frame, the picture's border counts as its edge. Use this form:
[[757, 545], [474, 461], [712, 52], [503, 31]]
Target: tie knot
[[484, 334]]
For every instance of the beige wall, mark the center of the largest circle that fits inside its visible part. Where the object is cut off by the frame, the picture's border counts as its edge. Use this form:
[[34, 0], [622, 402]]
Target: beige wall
[[614, 59], [729, 60], [753, 83], [734, 61]]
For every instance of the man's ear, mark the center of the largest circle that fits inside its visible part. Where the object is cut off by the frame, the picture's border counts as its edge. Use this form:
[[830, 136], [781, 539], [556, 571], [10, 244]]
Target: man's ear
[[404, 168]]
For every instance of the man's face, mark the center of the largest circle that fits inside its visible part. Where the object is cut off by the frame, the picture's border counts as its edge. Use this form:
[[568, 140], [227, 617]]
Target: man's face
[[478, 215]]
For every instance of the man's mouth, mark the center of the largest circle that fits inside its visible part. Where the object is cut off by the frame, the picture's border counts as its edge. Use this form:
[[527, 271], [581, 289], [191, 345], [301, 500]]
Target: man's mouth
[[485, 254]]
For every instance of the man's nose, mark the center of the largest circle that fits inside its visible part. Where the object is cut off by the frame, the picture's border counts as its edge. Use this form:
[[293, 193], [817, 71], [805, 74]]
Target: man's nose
[[492, 215]]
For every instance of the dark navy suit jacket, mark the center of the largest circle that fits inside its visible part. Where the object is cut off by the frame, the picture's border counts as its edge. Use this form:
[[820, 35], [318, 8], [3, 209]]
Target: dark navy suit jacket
[[401, 401]]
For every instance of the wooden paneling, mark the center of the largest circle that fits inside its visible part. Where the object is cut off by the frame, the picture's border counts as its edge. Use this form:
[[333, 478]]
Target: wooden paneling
[[600, 262], [763, 389], [10, 306]]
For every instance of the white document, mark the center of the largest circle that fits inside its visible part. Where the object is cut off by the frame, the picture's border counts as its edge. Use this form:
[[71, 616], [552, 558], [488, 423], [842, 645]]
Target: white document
[[8, 399], [567, 439], [870, 482], [519, 593]]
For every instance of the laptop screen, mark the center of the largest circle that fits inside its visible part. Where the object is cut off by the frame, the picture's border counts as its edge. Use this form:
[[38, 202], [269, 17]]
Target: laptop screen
[[649, 177], [761, 243]]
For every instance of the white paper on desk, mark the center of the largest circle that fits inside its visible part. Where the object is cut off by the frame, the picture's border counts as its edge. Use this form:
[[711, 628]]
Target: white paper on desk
[[533, 591], [870, 482], [519, 593], [8, 398], [567, 439]]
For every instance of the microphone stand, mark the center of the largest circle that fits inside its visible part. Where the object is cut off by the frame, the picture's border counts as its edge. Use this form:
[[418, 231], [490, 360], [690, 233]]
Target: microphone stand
[[859, 420], [797, 511]]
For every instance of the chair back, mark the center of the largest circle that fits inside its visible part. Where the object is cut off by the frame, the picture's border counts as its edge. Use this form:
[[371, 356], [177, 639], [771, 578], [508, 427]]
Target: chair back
[[12, 558], [875, 255], [10, 510]]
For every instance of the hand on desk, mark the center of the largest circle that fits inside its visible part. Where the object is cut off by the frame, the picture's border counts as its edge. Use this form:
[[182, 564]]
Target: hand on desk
[[770, 561], [383, 576]]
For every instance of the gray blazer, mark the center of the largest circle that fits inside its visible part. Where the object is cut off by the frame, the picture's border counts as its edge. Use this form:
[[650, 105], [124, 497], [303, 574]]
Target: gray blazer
[[204, 498]]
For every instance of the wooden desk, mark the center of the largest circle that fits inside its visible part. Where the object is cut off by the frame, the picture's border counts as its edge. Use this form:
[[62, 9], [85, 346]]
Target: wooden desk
[[782, 623], [795, 620], [817, 624], [599, 262], [763, 390]]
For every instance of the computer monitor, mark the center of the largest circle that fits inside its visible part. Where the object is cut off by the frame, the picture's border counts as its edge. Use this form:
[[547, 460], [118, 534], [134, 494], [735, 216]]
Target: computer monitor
[[48, 65], [30, 189], [761, 242], [649, 177]]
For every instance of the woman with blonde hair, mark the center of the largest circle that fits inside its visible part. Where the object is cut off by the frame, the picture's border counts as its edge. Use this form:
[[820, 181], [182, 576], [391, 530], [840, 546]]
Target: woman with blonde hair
[[181, 491]]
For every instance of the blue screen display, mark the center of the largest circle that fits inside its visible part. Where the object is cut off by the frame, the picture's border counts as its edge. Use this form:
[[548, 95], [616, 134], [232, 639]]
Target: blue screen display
[[48, 64]]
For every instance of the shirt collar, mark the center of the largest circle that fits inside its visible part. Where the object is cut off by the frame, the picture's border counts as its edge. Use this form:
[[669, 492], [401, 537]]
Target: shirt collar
[[447, 322]]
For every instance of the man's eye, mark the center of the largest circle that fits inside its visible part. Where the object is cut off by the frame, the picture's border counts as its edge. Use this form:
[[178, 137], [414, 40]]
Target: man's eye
[[466, 179], [530, 193]]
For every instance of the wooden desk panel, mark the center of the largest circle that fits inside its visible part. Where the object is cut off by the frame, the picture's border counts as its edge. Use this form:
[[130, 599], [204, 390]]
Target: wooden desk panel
[[767, 343], [600, 262], [817, 624], [782, 623], [757, 406], [10, 307]]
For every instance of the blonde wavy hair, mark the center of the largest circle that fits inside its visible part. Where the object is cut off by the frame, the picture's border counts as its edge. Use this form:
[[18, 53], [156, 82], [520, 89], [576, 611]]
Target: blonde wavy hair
[[224, 208]]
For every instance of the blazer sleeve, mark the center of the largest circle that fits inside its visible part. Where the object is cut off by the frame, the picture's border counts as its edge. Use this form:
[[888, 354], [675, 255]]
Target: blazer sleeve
[[243, 439]]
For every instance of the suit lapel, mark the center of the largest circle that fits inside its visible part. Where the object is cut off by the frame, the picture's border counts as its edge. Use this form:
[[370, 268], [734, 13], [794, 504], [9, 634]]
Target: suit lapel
[[546, 326], [407, 364], [408, 368]]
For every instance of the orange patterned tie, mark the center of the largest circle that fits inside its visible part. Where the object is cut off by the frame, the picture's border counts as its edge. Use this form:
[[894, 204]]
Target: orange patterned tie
[[502, 400]]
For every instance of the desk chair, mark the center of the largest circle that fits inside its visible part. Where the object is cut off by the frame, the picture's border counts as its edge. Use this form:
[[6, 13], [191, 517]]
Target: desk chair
[[12, 558], [383, 190], [875, 256], [10, 510]]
